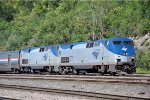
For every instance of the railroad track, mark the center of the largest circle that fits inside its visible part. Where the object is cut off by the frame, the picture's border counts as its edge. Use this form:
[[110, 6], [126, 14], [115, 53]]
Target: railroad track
[[88, 75], [73, 92], [138, 75], [4, 98], [104, 79]]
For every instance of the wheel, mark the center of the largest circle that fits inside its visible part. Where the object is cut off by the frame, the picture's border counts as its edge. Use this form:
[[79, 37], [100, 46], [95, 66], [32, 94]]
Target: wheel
[[113, 73], [27, 70], [101, 73], [127, 69], [17, 71], [77, 72]]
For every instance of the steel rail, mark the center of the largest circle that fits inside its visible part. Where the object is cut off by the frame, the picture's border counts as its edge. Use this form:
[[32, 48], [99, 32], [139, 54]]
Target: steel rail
[[5, 98], [145, 81], [80, 76], [74, 92], [84, 76]]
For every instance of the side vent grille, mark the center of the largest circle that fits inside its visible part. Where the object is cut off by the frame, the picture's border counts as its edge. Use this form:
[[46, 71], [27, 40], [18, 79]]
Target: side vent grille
[[118, 60], [64, 59]]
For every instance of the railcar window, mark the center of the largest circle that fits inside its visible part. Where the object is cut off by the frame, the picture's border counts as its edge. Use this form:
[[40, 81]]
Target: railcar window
[[116, 42], [64, 59], [89, 45], [128, 42]]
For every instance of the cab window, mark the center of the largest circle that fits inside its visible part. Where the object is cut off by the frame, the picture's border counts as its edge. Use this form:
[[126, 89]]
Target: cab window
[[29, 50], [89, 45], [128, 42], [43, 49], [117, 42]]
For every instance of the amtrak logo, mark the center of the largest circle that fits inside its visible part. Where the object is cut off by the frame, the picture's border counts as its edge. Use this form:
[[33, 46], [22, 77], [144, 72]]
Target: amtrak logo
[[95, 54], [124, 48], [45, 57]]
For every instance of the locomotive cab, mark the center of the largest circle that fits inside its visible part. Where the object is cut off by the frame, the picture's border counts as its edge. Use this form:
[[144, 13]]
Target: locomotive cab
[[124, 54]]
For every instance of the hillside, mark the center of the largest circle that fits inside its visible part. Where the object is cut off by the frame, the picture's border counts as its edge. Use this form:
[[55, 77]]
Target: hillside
[[142, 43], [26, 23]]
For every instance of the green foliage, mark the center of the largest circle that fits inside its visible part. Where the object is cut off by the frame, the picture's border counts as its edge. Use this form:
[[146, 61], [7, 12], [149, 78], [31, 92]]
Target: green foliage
[[143, 59], [142, 70], [26, 23]]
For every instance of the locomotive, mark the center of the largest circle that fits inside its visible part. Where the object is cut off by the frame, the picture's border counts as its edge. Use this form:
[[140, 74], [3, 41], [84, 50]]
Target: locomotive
[[105, 56]]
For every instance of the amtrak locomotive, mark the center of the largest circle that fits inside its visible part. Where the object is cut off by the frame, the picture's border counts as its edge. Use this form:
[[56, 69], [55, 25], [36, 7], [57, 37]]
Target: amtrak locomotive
[[111, 56]]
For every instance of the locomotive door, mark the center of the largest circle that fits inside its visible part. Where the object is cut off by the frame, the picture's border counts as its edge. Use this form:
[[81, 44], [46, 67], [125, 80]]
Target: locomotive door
[[102, 57], [102, 69], [9, 61]]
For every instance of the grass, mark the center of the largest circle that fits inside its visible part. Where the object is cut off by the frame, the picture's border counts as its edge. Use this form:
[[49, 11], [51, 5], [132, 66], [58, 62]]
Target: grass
[[142, 70]]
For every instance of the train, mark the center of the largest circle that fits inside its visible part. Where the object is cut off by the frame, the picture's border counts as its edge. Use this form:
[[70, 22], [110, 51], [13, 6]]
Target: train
[[104, 56]]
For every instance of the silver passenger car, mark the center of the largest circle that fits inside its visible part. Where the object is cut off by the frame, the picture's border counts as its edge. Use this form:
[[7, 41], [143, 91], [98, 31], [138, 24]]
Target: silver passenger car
[[9, 61]]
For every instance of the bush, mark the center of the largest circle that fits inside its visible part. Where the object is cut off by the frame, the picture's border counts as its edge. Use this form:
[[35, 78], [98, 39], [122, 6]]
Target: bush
[[143, 59]]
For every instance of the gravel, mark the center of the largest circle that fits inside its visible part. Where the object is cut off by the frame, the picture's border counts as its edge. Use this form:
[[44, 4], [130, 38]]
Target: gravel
[[28, 95], [111, 88]]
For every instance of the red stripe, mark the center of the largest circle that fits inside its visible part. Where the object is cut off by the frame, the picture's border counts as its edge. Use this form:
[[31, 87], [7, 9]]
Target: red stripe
[[7, 58]]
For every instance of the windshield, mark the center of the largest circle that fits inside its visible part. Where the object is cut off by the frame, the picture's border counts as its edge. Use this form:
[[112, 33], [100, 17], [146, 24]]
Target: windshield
[[128, 42], [124, 42], [116, 42]]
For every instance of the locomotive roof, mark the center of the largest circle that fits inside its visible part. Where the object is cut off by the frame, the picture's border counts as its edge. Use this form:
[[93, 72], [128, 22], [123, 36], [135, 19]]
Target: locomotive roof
[[76, 43]]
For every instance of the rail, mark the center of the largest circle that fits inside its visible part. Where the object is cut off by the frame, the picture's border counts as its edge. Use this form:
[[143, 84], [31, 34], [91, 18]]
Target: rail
[[104, 79], [77, 93]]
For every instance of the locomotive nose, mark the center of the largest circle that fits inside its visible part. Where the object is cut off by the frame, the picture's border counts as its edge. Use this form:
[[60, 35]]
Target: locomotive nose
[[125, 60], [126, 64]]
